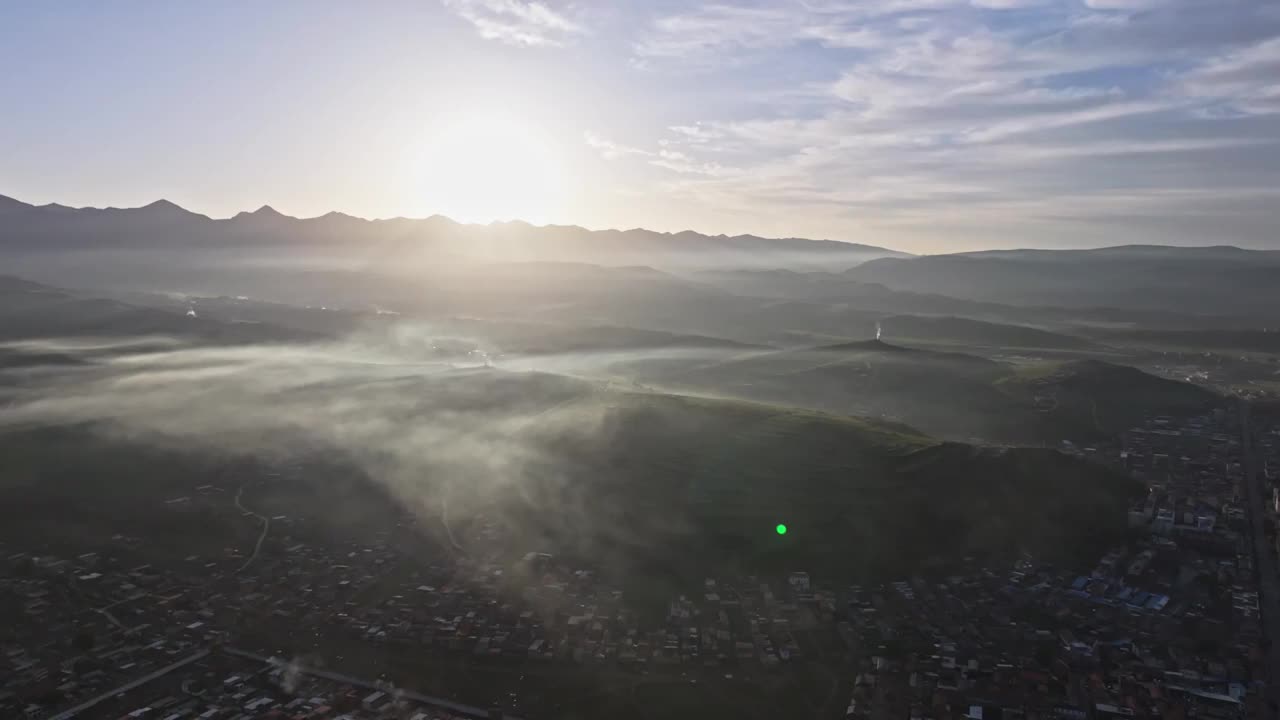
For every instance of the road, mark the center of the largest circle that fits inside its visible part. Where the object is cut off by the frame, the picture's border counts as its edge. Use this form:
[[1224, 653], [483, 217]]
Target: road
[[114, 620], [468, 710], [1264, 560], [444, 519], [129, 686], [106, 610], [266, 525]]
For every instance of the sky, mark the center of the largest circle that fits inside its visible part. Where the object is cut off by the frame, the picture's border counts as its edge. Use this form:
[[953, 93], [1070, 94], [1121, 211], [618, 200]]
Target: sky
[[924, 125]]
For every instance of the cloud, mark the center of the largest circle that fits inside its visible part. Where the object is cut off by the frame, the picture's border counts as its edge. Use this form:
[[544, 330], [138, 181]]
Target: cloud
[[673, 160], [1123, 4], [893, 113], [516, 22], [713, 29], [697, 132], [610, 150], [1247, 80], [1006, 4], [679, 162]]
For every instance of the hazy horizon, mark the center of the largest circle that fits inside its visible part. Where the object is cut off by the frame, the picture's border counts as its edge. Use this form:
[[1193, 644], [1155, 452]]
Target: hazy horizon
[[517, 221], [534, 359], [925, 125]]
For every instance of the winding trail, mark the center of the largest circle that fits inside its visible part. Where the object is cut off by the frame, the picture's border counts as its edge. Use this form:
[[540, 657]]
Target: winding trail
[[266, 526], [448, 490], [444, 520]]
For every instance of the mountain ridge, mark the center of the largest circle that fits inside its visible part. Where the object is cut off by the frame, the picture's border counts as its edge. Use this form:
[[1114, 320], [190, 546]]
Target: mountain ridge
[[266, 212], [1218, 280]]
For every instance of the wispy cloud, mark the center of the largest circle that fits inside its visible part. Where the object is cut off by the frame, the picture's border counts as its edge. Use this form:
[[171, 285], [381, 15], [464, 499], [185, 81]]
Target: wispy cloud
[[677, 161], [610, 150], [1246, 79], [663, 157], [516, 22], [916, 109]]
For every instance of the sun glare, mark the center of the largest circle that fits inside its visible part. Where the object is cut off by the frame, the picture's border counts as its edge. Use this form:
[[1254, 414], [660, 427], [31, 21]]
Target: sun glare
[[488, 166]]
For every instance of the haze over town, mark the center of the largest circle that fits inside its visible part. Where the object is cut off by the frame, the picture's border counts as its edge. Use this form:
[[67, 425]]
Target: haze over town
[[552, 360]]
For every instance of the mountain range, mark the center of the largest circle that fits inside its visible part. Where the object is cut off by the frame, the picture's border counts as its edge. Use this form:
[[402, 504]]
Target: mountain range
[[165, 225], [683, 282]]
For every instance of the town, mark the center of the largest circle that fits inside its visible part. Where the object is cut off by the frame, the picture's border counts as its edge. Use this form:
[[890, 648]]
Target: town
[[1177, 623]]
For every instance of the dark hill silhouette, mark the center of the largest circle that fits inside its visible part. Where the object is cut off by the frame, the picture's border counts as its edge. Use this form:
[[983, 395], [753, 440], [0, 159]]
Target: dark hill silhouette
[[948, 394], [873, 345], [1220, 280], [164, 225], [1101, 397], [965, 331], [33, 311]]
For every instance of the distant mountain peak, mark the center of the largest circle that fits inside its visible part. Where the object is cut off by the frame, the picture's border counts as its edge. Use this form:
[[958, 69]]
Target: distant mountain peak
[[509, 224], [510, 239], [266, 212], [170, 209], [8, 203]]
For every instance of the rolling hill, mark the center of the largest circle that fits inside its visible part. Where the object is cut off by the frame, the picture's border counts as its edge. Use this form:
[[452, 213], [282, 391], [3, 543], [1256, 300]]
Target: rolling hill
[[717, 475], [1204, 281], [952, 395], [866, 292], [963, 331], [947, 394], [1103, 398], [1247, 340], [652, 488], [33, 311]]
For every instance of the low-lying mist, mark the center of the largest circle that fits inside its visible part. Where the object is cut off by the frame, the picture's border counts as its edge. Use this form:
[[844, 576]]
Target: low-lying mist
[[430, 431], [493, 454]]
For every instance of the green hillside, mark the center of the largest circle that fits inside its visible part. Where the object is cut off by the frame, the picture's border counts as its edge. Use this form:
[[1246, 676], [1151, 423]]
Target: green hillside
[[964, 331], [651, 487], [30, 311], [947, 394], [1092, 396], [692, 483]]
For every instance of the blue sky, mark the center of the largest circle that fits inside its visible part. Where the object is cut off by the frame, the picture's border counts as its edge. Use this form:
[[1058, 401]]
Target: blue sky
[[930, 125]]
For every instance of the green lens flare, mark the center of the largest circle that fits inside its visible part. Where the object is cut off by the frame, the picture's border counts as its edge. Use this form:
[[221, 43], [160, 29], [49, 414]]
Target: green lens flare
[[782, 529]]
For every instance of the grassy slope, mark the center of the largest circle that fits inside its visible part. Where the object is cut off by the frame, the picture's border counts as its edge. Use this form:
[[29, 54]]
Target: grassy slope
[[30, 310], [1087, 396], [675, 488], [672, 488], [949, 394], [1240, 340], [964, 331]]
